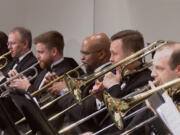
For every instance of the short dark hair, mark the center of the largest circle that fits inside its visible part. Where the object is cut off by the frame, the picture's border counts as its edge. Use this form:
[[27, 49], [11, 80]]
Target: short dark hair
[[51, 39], [25, 35], [3, 43], [132, 40], [174, 60]]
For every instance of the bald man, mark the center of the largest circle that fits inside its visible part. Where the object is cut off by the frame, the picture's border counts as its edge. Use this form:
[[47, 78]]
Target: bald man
[[95, 51], [95, 55]]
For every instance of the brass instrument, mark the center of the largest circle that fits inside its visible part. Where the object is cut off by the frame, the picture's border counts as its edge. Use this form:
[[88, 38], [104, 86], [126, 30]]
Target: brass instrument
[[33, 67], [145, 88], [119, 107], [69, 127], [125, 118], [146, 65], [48, 85], [55, 80], [4, 59], [75, 85], [85, 98]]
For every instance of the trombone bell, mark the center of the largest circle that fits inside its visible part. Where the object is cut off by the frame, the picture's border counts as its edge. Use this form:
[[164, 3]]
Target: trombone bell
[[73, 87], [4, 60], [112, 107]]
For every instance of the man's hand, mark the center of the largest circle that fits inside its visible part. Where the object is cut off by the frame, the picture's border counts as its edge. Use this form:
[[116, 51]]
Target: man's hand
[[111, 79], [12, 73], [20, 83], [57, 87], [50, 77], [98, 88], [148, 104]]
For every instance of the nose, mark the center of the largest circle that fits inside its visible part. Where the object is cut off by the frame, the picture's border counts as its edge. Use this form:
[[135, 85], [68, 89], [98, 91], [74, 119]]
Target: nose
[[82, 57], [111, 59], [37, 56], [153, 74], [9, 47]]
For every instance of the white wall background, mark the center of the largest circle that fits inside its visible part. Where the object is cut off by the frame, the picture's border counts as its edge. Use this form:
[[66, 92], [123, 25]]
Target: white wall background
[[76, 19]]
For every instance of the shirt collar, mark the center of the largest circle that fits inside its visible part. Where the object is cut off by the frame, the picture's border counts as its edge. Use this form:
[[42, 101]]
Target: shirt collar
[[57, 62], [22, 57], [102, 66]]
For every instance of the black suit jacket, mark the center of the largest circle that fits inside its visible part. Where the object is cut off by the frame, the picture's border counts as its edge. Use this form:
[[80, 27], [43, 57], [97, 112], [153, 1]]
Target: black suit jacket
[[60, 69], [26, 62]]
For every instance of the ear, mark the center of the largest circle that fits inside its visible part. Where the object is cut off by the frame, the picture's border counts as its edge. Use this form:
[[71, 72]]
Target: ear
[[177, 70], [54, 51], [102, 54], [26, 44]]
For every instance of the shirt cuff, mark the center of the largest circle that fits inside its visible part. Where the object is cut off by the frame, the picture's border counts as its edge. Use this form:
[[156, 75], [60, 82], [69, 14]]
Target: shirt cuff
[[63, 91], [99, 104]]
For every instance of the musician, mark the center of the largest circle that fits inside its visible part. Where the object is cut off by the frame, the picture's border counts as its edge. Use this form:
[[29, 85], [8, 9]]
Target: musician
[[49, 52], [123, 44], [19, 42], [95, 55], [166, 67]]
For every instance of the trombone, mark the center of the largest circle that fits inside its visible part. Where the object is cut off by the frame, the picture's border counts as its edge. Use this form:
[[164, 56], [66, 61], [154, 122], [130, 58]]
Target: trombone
[[4, 59], [55, 80], [145, 88], [85, 98], [74, 85], [46, 86], [119, 107], [33, 67]]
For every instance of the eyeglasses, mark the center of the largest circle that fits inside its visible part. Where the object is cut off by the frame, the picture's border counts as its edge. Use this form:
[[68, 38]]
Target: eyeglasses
[[87, 53], [11, 43]]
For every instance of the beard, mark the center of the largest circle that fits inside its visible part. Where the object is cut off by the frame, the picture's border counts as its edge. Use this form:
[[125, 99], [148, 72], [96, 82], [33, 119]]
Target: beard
[[45, 63]]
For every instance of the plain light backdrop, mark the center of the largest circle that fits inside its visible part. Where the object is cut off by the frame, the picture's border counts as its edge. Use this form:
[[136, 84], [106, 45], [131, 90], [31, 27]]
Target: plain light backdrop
[[76, 19]]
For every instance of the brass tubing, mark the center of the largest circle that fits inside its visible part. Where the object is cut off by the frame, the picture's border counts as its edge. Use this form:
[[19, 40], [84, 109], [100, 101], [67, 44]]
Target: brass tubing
[[6, 60]]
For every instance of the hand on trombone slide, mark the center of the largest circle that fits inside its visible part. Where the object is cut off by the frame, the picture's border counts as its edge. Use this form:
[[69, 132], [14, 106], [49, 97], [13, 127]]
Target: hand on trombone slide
[[98, 88], [148, 104]]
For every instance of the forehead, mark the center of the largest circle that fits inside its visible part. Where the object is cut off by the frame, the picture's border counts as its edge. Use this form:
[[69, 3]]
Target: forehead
[[88, 45], [162, 56], [41, 46], [116, 45], [14, 35]]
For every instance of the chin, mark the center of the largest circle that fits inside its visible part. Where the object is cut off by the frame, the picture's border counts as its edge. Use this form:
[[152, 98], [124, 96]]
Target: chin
[[42, 65]]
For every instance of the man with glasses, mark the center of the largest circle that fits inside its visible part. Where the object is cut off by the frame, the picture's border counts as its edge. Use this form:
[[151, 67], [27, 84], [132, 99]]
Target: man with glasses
[[19, 43]]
